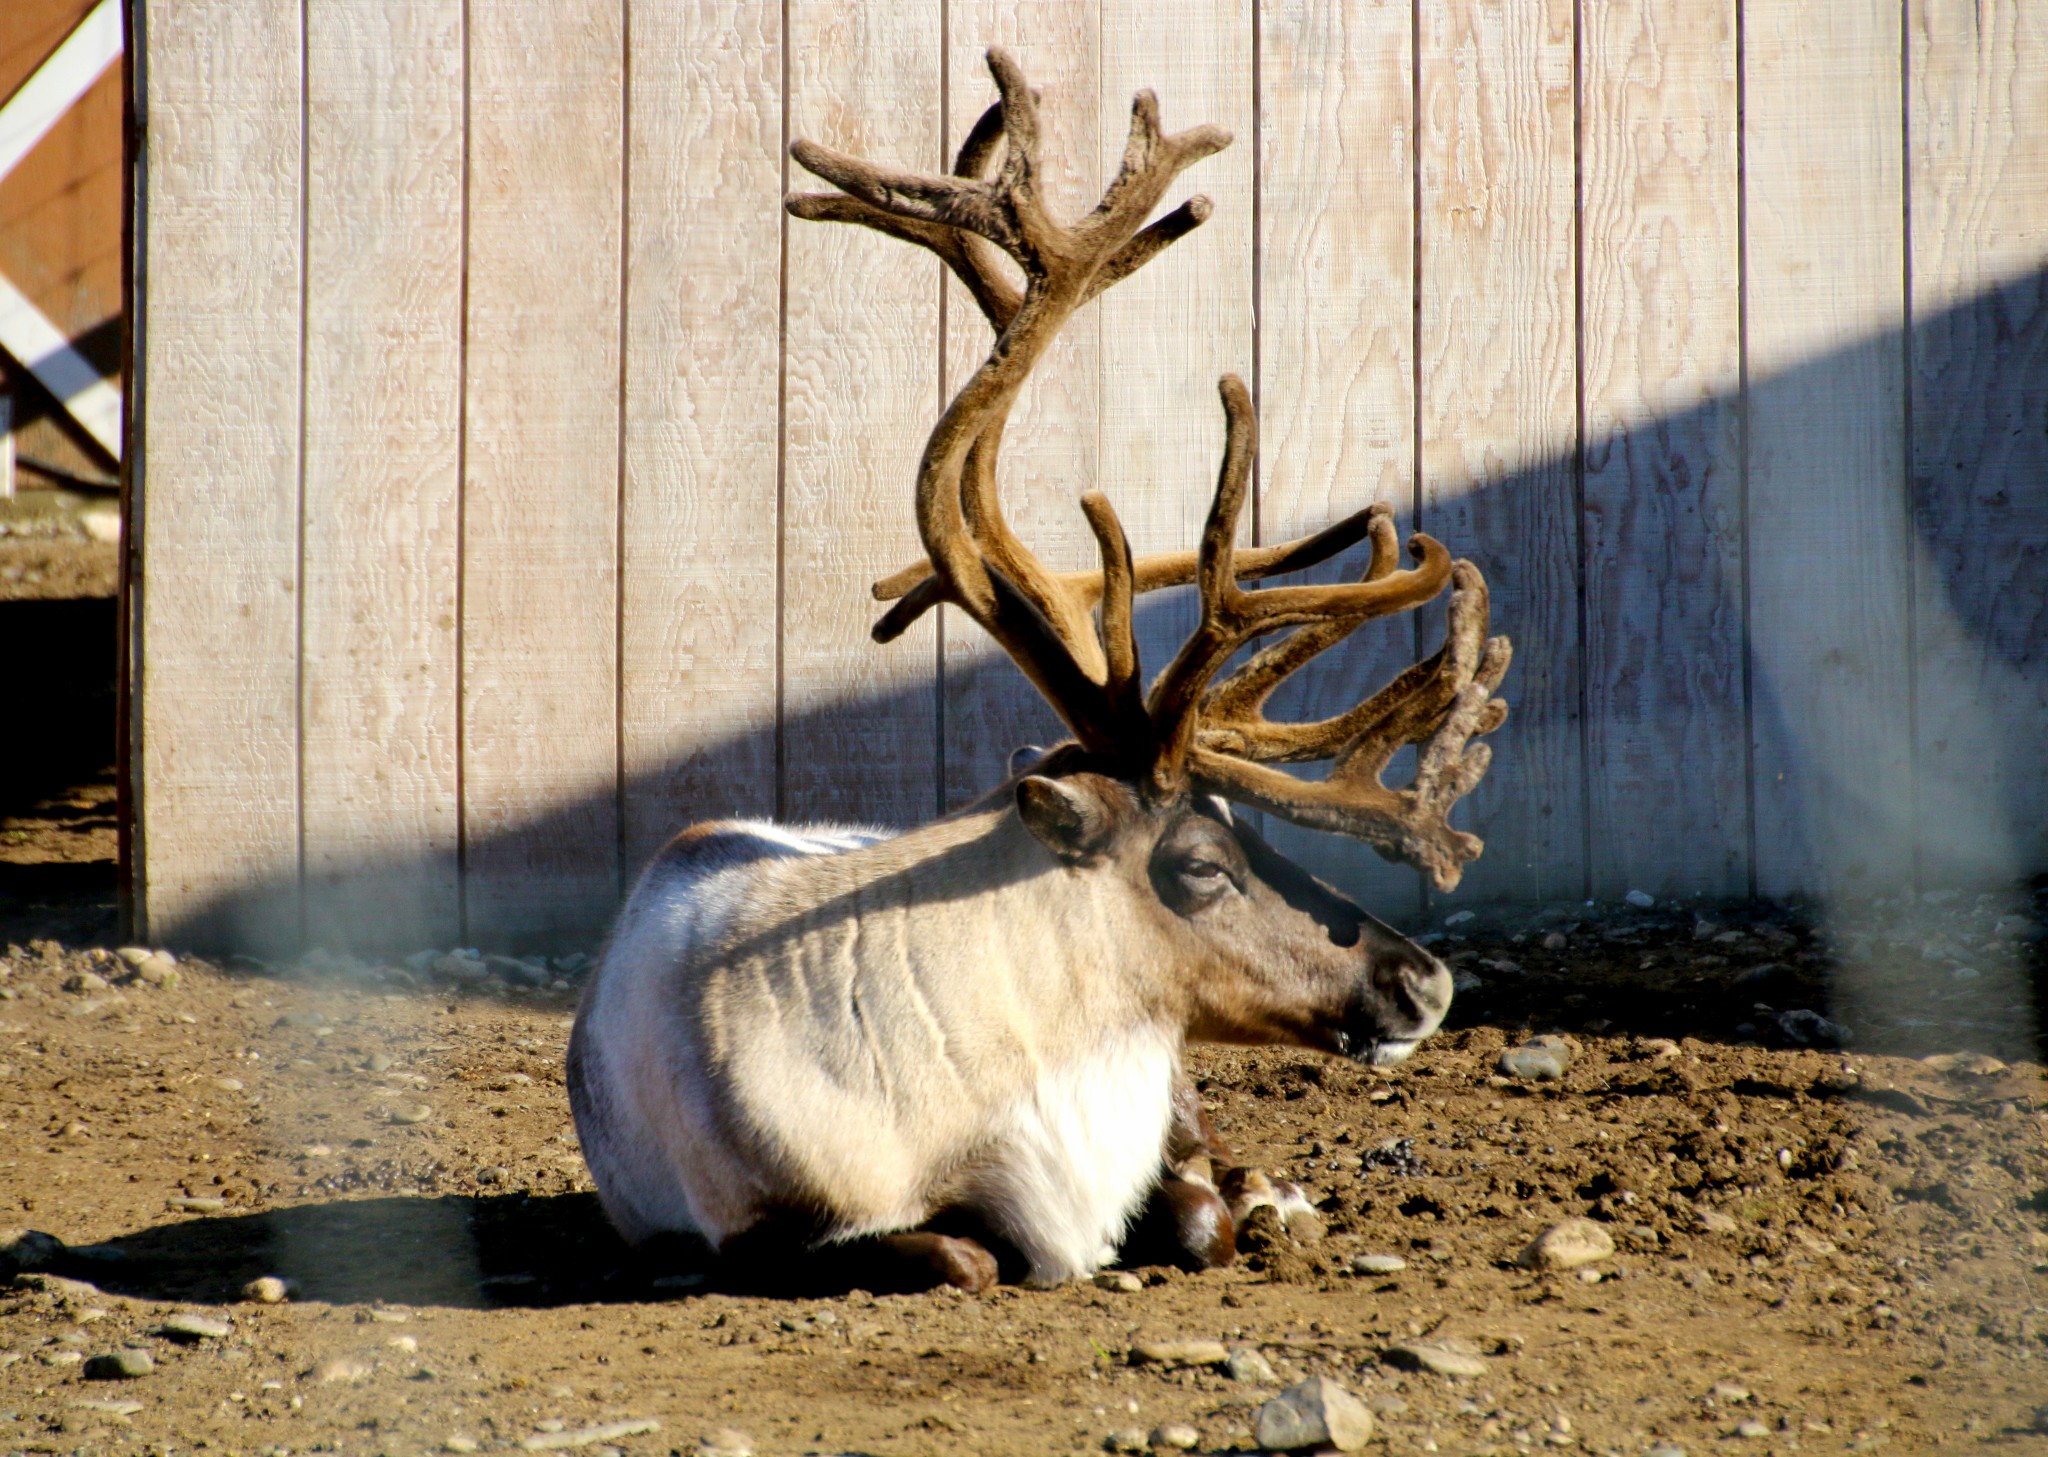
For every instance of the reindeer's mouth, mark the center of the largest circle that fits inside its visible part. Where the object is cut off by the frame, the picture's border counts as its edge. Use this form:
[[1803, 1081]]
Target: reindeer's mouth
[[1372, 1051]]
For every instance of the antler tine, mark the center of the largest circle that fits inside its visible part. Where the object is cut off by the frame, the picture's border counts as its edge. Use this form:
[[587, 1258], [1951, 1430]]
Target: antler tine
[[1231, 617], [1441, 704], [976, 561]]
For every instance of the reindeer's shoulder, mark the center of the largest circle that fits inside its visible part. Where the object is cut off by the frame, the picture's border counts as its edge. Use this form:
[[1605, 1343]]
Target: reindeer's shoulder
[[706, 849]]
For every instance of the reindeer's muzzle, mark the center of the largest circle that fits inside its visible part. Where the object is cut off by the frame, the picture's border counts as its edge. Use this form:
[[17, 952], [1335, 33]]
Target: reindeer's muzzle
[[1401, 1000]]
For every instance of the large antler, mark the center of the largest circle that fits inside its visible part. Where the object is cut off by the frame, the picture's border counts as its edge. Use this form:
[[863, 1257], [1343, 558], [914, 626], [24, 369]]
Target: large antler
[[1086, 665]]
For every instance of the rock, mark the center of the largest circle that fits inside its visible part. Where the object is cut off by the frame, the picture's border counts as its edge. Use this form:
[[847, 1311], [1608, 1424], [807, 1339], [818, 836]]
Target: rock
[[134, 955], [1728, 1393], [74, 1291], [631, 1427], [1665, 1449], [1657, 1047], [1642, 900], [1378, 1264], [514, 972], [491, 1174], [1316, 1413], [1249, 1365], [28, 1249], [198, 1204], [1179, 1353], [1964, 1064], [410, 1113], [1811, 1029], [1177, 1435], [1120, 1280], [267, 1290], [1567, 1245], [1751, 1429], [725, 1442], [377, 1062], [458, 1442], [341, 1370], [1556, 941], [1443, 1360], [1713, 1221], [1125, 1439], [158, 970], [1534, 1063], [1460, 918], [465, 967], [85, 981], [190, 1329], [123, 1365]]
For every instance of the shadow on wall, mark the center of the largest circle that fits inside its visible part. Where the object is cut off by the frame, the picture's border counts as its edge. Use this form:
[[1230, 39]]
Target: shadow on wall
[[1870, 554]]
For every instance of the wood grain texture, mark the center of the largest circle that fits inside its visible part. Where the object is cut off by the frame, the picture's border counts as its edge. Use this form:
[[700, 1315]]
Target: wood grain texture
[[1667, 755], [540, 497], [1498, 404], [1336, 382], [1049, 451], [1170, 331], [383, 405], [1827, 509], [860, 720], [1979, 160], [217, 503], [703, 323]]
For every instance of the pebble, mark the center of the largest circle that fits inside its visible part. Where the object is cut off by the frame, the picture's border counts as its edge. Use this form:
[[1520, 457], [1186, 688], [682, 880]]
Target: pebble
[[459, 1442], [1377, 1264], [1178, 1435], [1567, 1245], [1556, 941], [726, 1442], [1968, 1064], [409, 1113], [1120, 1280], [1713, 1221], [119, 1366], [85, 981], [1810, 1029], [199, 1205], [1537, 1060], [377, 1062], [1125, 1439], [190, 1328], [1443, 1360], [134, 955], [1460, 918], [631, 1427], [460, 966], [1659, 1047], [514, 972], [329, 1370], [1729, 1392], [158, 970], [1179, 1353], [1642, 900], [1316, 1413], [1752, 1429], [1249, 1365], [1665, 1449], [267, 1290]]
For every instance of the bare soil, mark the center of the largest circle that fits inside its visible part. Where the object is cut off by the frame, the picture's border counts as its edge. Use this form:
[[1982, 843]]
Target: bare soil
[[1846, 1249]]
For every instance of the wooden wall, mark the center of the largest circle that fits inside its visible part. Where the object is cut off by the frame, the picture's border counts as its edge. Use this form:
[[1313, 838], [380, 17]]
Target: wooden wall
[[510, 472]]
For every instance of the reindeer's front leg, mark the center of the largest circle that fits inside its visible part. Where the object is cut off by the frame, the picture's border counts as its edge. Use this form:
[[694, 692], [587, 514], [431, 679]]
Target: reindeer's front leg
[[1185, 1221]]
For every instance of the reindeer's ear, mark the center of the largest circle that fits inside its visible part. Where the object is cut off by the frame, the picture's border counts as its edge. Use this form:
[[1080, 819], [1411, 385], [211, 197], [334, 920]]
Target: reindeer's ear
[[1068, 819]]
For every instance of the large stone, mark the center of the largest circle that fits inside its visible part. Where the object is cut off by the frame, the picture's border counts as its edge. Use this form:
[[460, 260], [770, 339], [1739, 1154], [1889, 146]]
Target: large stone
[[28, 1249], [190, 1329], [1179, 1353], [1567, 1245], [1316, 1413], [123, 1365], [1443, 1360]]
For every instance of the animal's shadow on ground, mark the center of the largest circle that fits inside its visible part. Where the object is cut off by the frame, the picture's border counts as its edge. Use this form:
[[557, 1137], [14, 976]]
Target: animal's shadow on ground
[[459, 1251]]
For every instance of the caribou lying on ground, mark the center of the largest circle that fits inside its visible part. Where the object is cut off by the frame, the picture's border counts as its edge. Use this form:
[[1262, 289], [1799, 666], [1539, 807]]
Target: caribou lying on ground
[[911, 1054]]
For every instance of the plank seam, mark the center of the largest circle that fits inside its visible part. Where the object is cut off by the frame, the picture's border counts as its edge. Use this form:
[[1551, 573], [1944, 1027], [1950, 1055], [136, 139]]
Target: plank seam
[[1258, 271], [939, 617], [299, 506], [1742, 402], [782, 440], [619, 867], [1579, 437], [1422, 889], [1915, 862], [131, 873], [462, 519]]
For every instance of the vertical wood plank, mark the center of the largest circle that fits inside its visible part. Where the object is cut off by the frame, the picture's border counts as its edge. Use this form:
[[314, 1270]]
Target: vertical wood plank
[[1172, 329], [1661, 259], [702, 356], [217, 501], [1827, 512], [383, 403], [1979, 160], [540, 498], [1336, 358], [1498, 402], [1049, 450], [859, 720]]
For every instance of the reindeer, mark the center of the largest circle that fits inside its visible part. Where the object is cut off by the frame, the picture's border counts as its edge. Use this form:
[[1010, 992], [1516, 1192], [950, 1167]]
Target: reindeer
[[954, 1053]]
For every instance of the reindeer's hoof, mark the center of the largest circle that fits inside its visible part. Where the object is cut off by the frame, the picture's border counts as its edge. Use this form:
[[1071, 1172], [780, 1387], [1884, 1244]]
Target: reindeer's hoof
[[925, 1261], [1186, 1224]]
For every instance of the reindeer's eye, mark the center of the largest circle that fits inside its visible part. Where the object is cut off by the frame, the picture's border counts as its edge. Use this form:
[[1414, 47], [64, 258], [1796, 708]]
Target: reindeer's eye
[[1204, 870]]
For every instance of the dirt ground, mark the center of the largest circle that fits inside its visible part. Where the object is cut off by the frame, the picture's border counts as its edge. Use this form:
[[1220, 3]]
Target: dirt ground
[[1842, 1248]]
